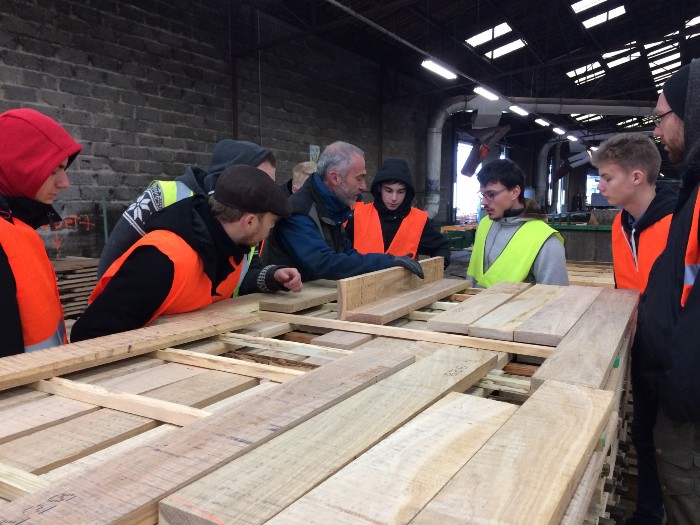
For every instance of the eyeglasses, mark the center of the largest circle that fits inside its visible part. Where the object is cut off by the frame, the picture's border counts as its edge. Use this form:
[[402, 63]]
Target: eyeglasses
[[489, 195], [656, 119]]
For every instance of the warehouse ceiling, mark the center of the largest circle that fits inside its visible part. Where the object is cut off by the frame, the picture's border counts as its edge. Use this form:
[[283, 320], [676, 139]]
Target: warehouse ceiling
[[592, 49]]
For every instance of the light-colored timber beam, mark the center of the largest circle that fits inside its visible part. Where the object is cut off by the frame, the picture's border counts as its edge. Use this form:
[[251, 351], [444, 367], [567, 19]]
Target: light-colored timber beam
[[413, 335]]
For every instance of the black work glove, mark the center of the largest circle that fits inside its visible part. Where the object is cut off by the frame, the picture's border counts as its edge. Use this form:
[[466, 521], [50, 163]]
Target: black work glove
[[410, 264]]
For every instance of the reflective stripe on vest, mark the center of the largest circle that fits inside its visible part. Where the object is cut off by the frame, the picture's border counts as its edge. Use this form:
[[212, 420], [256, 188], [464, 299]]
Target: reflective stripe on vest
[[632, 269], [516, 260], [692, 255], [191, 288], [368, 232], [37, 292], [172, 191]]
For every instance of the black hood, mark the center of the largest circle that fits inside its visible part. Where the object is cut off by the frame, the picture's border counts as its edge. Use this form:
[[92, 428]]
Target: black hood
[[393, 170], [229, 153], [691, 121], [663, 203], [192, 220]]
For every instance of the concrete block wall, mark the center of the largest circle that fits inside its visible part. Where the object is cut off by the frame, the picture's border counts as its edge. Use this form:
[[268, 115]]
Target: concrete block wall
[[146, 87]]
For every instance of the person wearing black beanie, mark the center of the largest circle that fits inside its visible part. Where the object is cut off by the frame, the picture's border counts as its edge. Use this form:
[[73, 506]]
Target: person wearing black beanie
[[131, 226], [666, 348], [390, 224]]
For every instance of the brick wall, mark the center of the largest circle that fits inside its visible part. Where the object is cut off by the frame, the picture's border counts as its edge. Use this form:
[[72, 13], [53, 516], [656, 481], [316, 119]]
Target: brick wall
[[146, 88]]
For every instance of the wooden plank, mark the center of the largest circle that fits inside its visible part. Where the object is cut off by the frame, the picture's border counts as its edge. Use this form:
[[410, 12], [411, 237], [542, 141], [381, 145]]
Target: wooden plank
[[367, 288], [398, 305], [586, 354], [395, 479], [524, 474], [311, 295], [260, 484], [286, 346], [228, 364], [137, 482], [267, 329], [551, 323], [504, 320], [413, 335], [15, 483], [29, 367], [341, 339], [159, 410], [459, 318]]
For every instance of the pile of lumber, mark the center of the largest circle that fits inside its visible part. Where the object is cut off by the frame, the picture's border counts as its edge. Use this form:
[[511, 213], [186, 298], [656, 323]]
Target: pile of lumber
[[76, 277], [591, 274], [373, 425]]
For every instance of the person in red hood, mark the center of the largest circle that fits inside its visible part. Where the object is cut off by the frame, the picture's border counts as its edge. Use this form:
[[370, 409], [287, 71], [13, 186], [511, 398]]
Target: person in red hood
[[35, 153]]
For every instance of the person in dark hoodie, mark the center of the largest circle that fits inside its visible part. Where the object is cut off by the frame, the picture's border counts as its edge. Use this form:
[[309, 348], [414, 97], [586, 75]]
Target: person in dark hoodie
[[390, 224], [628, 165], [313, 239], [666, 349], [35, 153], [195, 181], [195, 252], [513, 243]]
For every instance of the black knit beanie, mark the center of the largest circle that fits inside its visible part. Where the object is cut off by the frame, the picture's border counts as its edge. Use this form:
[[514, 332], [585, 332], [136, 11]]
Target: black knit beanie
[[675, 90]]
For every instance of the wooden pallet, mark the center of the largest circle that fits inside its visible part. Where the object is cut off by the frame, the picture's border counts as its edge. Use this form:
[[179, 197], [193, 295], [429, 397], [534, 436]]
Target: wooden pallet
[[76, 278], [591, 274], [215, 417]]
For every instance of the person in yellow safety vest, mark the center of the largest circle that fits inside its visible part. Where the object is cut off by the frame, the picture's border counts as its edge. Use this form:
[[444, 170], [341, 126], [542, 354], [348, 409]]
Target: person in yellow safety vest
[[390, 224], [193, 254], [35, 152], [161, 193], [513, 242]]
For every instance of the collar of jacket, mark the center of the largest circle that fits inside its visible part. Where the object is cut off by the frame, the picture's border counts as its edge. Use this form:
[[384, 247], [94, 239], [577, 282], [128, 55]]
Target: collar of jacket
[[332, 206], [34, 213]]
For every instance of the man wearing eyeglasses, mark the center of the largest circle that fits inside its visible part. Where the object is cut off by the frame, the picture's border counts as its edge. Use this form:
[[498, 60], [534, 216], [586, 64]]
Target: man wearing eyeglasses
[[666, 349], [513, 243]]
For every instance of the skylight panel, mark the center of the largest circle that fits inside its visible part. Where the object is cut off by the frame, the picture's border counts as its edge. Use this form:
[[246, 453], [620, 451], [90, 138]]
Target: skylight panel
[[629, 123], [504, 50], [660, 50], [586, 73], [626, 49], [604, 17], [693, 22], [664, 69], [586, 118], [581, 70], [489, 35], [668, 58], [585, 4], [624, 59]]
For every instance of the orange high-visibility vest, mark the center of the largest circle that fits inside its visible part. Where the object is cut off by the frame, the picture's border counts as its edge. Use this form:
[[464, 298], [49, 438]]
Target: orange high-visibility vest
[[37, 292], [692, 255], [631, 263], [191, 288], [368, 232]]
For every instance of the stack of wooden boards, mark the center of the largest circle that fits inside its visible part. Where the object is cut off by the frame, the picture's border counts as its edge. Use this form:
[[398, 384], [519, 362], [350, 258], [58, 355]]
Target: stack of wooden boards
[[76, 277], [591, 274], [157, 425]]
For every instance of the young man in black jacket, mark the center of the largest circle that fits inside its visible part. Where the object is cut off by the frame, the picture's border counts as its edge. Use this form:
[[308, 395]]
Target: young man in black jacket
[[390, 224]]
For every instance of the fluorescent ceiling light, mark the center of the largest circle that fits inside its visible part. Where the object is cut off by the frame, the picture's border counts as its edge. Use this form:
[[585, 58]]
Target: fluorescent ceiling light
[[572, 138], [485, 93], [504, 50], [488, 35], [542, 122], [437, 68], [585, 4], [558, 131], [596, 20], [520, 111]]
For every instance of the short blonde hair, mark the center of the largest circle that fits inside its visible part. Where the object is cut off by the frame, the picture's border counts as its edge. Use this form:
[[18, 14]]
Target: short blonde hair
[[630, 151], [301, 172]]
